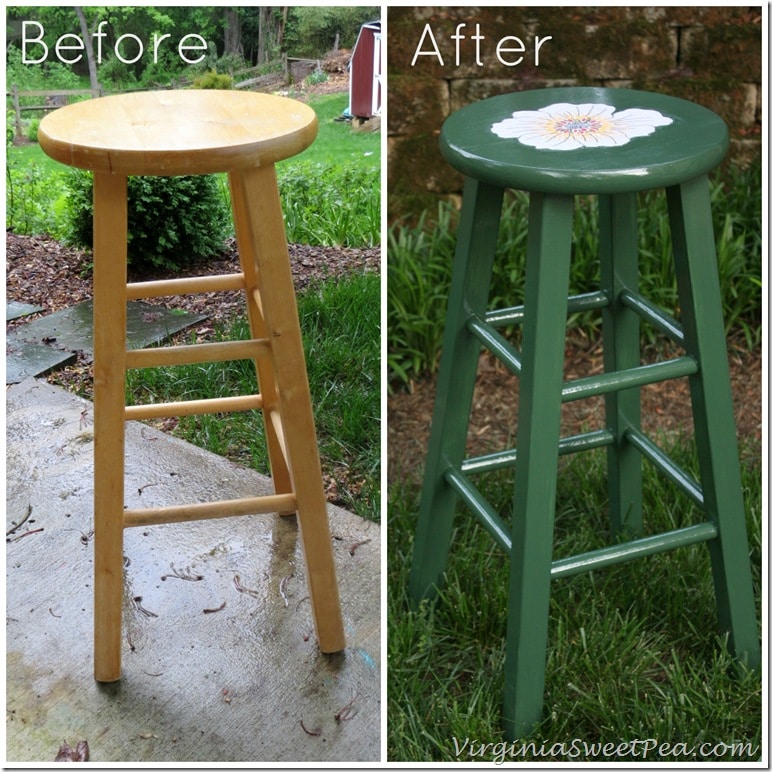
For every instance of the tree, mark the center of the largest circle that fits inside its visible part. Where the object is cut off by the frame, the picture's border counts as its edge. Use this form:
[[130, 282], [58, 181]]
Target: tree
[[270, 35], [232, 45], [92, 72]]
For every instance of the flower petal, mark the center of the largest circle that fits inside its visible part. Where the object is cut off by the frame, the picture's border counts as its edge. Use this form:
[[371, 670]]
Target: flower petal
[[566, 126]]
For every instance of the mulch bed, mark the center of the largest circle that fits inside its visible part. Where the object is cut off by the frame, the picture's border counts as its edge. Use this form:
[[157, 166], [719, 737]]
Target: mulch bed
[[44, 272], [666, 408]]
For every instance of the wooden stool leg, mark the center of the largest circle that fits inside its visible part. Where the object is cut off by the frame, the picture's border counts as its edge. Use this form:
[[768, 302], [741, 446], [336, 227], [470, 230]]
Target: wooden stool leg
[[109, 402], [265, 375], [538, 432], [621, 350], [476, 243], [259, 214], [715, 431]]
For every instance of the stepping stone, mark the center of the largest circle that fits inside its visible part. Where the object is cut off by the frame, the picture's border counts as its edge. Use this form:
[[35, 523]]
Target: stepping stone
[[15, 310], [25, 360], [66, 332]]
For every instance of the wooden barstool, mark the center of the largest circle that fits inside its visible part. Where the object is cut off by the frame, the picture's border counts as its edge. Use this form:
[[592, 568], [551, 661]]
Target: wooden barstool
[[183, 133]]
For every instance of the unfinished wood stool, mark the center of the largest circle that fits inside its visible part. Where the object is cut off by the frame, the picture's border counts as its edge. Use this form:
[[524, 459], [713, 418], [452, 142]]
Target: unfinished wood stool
[[182, 133], [557, 144]]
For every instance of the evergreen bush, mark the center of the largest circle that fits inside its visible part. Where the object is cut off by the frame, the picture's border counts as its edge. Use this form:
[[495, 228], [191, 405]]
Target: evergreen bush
[[213, 80], [172, 221]]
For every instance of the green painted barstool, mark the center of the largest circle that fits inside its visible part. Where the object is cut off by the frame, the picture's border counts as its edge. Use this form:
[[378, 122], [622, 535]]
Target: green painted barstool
[[556, 144]]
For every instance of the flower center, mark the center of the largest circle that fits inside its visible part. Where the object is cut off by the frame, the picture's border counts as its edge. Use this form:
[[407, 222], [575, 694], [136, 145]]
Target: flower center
[[582, 124]]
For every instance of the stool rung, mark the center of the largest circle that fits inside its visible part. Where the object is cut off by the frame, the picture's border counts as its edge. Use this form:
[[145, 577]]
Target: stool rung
[[638, 548], [505, 458], [485, 513], [260, 505], [495, 343], [662, 321], [627, 379], [219, 351], [587, 301], [666, 465], [194, 407], [185, 286], [587, 561]]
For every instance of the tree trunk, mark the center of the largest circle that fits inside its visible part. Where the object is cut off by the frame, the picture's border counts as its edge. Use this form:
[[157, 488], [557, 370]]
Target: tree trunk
[[92, 72], [232, 43]]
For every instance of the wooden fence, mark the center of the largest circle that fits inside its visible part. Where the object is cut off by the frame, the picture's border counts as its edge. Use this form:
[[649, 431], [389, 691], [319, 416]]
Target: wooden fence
[[50, 101]]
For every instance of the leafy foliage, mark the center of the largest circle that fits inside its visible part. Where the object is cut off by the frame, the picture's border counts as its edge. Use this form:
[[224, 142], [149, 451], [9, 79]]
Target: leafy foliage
[[213, 80], [172, 221], [311, 30], [331, 205], [420, 256]]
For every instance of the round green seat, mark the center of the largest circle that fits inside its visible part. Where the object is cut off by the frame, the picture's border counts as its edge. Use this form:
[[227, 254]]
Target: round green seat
[[693, 141]]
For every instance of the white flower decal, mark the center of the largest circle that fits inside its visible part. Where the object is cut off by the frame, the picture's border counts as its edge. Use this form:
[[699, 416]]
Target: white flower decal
[[564, 126]]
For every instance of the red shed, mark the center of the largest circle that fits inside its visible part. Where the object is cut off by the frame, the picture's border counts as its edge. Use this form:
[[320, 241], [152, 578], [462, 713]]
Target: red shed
[[365, 76]]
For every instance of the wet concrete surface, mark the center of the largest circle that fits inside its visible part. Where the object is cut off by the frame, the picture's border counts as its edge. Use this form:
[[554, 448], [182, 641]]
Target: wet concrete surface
[[51, 341], [210, 673]]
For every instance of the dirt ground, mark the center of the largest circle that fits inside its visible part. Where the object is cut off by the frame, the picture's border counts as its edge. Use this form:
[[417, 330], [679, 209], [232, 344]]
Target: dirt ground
[[666, 408]]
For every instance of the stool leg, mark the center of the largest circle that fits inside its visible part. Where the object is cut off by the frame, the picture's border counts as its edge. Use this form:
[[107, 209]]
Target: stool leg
[[470, 284], [621, 350], [109, 427], [715, 431], [264, 367], [258, 214], [538, 432]]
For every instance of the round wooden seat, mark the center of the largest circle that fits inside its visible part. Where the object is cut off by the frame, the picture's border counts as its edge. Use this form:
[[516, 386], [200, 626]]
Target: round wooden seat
[[178, 132], [584, 140]]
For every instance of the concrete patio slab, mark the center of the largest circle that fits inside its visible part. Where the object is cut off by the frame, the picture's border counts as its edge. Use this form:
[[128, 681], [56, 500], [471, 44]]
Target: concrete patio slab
[[210, 673]]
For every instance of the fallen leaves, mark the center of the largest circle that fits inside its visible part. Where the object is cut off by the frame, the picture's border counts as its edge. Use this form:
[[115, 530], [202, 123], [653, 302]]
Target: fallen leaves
[[78, 753]]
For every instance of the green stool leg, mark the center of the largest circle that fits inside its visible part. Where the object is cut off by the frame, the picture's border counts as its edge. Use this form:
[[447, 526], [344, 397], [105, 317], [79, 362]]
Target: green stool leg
[[538, 432], [621, 350], [715, 432], [470, 285]]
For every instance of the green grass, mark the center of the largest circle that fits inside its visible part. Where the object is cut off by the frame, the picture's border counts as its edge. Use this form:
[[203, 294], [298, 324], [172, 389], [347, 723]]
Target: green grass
[[336, 144], [633, 649], [340, 324]]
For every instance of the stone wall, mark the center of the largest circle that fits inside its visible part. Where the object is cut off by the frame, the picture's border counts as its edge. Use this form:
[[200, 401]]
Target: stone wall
[[710, 55]]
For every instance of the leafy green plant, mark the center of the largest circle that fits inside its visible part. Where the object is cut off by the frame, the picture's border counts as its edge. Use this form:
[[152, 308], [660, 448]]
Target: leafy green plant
[[172, 221], [32, 130], [420, 255], [331, 205], [29, 195], [316, 77], [213, 80]]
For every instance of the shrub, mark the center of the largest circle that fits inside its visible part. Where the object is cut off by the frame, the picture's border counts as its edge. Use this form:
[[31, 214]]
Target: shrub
[[213, 79], [316, 77], [331, 205], [172, 221], [32, 131], [29, 198]]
